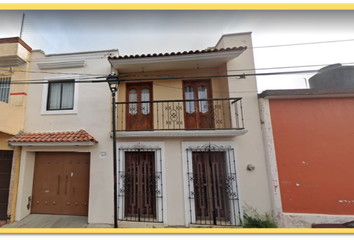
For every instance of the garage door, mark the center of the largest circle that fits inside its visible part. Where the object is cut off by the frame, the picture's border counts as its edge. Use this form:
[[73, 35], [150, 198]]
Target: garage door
[[5, 174], [61, 183]]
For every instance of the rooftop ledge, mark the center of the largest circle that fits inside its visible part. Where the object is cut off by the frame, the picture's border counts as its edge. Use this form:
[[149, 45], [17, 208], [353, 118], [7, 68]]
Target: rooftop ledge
[[182, 133]]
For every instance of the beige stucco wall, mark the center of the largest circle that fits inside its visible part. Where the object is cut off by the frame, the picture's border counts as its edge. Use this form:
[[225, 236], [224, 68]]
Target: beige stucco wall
[[93, 115], [11, 118], [3, 138], [14, 49], [254, 185], [12, 113]]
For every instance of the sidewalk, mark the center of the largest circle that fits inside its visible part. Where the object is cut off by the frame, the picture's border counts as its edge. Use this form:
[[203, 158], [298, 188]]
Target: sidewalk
[[54, 221]]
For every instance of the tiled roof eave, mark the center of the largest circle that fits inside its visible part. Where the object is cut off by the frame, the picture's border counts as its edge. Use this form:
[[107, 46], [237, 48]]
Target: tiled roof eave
[[173, 55], [53, 144], [69, 138]]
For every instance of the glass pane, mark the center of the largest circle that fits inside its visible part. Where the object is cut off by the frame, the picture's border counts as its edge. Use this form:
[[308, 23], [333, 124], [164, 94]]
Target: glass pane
[[203, 94], [54, 96], [133, 97], [145, 96], [67, 101], [189, 94], [5, 89]]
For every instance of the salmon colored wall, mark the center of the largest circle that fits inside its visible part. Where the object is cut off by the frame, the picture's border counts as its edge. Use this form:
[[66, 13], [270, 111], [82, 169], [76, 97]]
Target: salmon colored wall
[[314, 144]]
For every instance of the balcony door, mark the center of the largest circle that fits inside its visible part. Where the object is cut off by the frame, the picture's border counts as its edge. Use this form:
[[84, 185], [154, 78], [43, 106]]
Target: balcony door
[[139, 115], [198, 114]]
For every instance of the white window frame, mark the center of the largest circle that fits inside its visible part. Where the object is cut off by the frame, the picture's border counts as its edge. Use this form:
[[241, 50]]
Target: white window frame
[[44, 110], [187, 207]]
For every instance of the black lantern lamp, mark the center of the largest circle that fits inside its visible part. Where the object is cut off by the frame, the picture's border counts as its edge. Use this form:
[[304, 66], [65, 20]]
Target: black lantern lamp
[[113, 83]]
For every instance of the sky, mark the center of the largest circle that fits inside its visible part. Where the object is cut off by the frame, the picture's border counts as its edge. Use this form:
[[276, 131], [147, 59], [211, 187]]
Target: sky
[[147, 31]]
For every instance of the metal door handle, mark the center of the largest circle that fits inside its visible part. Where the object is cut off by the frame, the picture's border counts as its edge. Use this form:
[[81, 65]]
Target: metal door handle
[[58, 184], [66, 184]]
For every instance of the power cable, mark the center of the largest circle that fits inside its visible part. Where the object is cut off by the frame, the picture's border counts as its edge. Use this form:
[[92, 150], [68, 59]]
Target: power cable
[[256, 47], [177, 73], [174, 78]]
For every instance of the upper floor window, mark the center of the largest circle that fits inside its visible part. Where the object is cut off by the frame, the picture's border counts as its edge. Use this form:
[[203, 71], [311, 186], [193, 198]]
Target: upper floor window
[[5, 84], [61, 95]]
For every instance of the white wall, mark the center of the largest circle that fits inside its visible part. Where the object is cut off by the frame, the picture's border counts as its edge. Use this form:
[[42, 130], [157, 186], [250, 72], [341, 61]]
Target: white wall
[[93, 115], [254, 185]]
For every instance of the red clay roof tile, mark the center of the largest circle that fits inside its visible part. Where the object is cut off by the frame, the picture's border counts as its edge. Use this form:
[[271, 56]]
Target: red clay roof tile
[[78, 136], [178, 53]]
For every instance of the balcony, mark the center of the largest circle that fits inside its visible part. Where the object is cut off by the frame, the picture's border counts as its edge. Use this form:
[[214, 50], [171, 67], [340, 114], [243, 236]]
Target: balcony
[[180, 118]]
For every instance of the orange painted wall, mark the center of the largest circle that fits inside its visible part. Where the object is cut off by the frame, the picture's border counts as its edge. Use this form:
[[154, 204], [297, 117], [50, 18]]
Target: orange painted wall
[[314, 144]]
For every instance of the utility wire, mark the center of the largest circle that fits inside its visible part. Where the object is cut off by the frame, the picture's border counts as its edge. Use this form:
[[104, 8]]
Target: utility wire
[[308, 43], [177, 73], [40, 81], [256, 47]]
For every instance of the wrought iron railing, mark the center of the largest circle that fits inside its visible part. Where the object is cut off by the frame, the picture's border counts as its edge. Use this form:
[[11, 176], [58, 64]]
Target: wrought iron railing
[[201, 114]]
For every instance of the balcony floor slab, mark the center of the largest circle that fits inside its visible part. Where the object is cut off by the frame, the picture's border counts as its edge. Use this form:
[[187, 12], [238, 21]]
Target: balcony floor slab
[[181, 133]]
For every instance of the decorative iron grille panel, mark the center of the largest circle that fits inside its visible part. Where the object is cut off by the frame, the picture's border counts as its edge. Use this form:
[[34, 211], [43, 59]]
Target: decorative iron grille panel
[[140, 184], [212, 183]]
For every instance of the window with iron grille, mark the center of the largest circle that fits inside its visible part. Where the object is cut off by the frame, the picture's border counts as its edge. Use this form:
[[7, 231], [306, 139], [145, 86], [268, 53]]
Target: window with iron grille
[[140, 192], [212, 186], [5, 85]]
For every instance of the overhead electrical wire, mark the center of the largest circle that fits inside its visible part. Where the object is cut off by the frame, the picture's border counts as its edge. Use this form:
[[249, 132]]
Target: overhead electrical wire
[[91, 53], [39, 81], [100, 75]]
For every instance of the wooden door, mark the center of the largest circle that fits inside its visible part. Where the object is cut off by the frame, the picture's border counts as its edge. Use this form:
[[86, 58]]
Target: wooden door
[[139, 115], [140, 187], [61, 183], [5, 175], [198, 114], [209, 179]]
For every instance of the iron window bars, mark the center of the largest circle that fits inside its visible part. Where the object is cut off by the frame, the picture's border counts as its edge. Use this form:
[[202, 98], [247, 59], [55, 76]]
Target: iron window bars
[[212, 186], [140, 188], [5, 85]]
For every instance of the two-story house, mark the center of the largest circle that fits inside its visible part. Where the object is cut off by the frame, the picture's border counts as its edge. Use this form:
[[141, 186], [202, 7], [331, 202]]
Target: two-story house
[[189, 136], [14, 66], [189, 140], [66, 150]]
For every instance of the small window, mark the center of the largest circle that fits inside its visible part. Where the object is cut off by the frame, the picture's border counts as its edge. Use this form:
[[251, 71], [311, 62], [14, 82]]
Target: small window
[[189, 94], [145, 96], [5, 84], [133, 97], [61, 95], [203, 94]]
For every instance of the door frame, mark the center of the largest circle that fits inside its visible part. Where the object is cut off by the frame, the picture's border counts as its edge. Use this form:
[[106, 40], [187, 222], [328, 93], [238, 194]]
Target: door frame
[[230, 148], [159, 151]]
